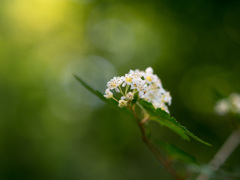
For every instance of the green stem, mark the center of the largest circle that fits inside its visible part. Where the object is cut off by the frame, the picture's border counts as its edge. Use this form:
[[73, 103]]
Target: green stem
[[152, 148], [114, 99], [121, 90], [126, 89]]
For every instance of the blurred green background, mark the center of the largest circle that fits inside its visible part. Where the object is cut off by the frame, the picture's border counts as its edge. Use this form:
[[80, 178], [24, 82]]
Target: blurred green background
[[52, 128]]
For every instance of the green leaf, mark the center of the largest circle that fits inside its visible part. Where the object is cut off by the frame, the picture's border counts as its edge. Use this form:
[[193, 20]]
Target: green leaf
[[164, 119], [100, 95], [176, 153]]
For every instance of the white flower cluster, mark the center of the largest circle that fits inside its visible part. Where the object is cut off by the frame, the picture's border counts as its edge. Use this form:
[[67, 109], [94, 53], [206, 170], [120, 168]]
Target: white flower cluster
[[147, 84], [228, 105]]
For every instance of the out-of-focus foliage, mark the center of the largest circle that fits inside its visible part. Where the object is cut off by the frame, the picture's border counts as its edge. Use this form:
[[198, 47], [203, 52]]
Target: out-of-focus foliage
[[52, 128]]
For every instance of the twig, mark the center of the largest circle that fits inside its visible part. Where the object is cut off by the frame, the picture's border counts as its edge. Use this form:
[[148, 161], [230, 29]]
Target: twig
[[154, 150], [225, 151]]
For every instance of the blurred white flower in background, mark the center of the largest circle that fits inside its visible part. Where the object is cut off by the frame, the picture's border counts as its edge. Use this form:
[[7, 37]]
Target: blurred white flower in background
[[228, 105]]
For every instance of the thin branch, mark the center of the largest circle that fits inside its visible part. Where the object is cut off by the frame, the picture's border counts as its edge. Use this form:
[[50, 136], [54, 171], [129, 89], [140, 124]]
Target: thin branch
[[154, 150], [225, 151]]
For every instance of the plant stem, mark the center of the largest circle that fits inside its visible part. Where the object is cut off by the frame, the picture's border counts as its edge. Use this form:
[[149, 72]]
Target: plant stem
[[225, 151], [114, 99], [154, 150], [126, 89], [121, 90]]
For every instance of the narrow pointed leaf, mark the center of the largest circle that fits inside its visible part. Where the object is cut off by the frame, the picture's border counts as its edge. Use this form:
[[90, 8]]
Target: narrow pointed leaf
[[100, 95], [164, 119]]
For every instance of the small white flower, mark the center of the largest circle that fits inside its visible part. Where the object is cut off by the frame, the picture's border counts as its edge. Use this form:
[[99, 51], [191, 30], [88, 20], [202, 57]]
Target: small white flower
[[149, 78], [222, 107], [166, 98], [228, 105], [108, 94], [155, 87], [119, 81], [115, 82], [152, 78], [149, 70], [128, 79], [135, 83], [123, 97], [135, 74], [150, 96], [129, 96], [142, 86], [122, 103], [142, 94], [112, 84]]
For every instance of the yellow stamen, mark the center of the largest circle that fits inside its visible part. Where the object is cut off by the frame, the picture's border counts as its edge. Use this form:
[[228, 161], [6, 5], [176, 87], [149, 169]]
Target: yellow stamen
[[128, 79], [149, 78]]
